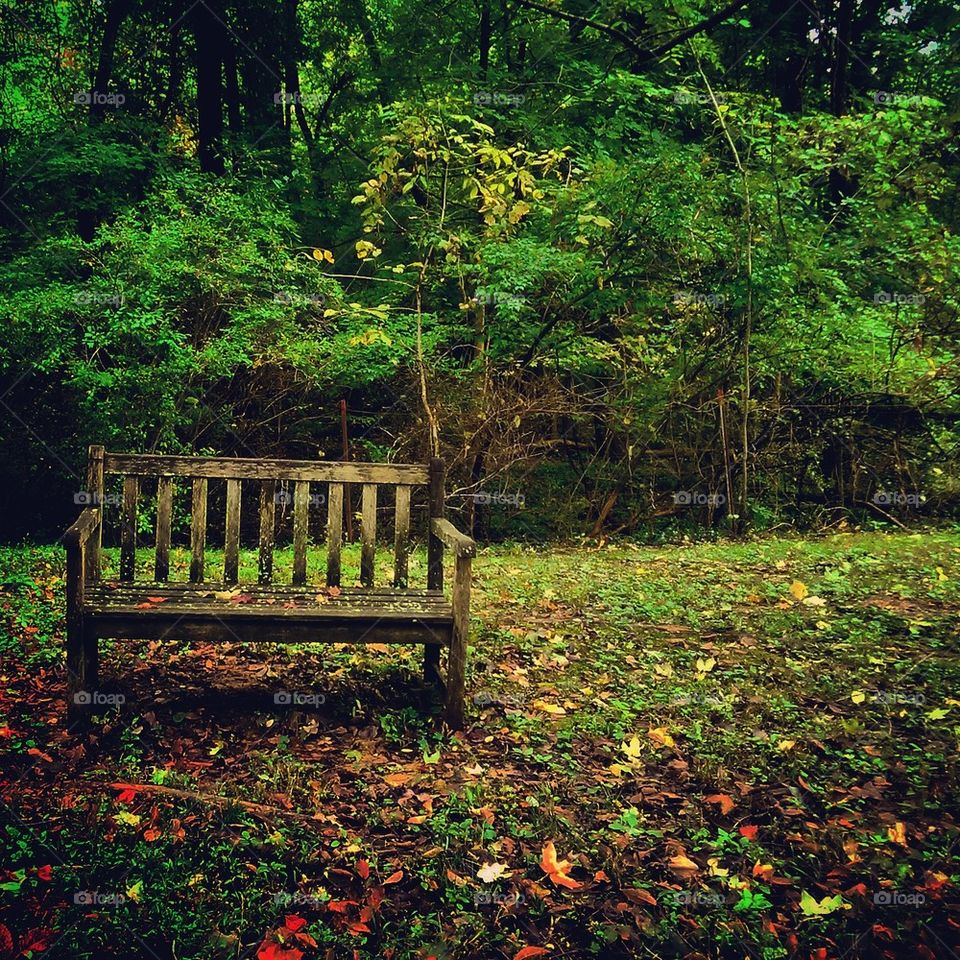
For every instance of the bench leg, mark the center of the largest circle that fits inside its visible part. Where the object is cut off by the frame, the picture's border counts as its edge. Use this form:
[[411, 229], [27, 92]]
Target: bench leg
[[456, 676], [83, 664]]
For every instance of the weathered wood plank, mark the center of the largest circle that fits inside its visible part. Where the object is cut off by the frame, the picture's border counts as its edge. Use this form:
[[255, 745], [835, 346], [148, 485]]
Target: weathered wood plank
[[401, 539], [198, 529], [161, 565], [148, 465], [459, 543], [301, 503], [457, 655], [268, 513], [434, 543], [95, 489], [128, 528], [334, 533], [368, 534], [231, 533], [266, 627]]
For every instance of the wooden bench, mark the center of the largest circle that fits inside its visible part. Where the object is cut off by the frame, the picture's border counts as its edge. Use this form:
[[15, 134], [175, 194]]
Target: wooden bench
[[206, 606]]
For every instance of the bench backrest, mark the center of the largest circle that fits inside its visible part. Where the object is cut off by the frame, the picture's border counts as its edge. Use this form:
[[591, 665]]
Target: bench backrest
[[267, 474]]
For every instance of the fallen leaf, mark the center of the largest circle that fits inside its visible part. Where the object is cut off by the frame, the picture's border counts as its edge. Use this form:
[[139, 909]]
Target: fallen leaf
[[491, 872], [726, 803], [528, 952], [683, 865], [799, 590], [557, 870]]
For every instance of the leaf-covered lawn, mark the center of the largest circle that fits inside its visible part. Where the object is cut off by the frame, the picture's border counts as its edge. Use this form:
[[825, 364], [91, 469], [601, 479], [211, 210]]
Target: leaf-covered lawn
[[709, 750]]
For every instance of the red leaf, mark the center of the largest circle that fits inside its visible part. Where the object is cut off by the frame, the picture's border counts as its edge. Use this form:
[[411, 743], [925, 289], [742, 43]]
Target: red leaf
[[45, 873], [127, 795], [749, 831], [394, 878], [363, 869], [273, 951], [6, 939], [293, 924], [31, 629], [340, 906], [34, 752], [357, 928], [157, 599], [530, 952]]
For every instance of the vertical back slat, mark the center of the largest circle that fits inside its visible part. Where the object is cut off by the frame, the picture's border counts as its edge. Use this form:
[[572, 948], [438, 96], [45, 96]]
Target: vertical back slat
[[198, 529], [434, 544], [401, 545], [231, 533], [268, 511], [368, 534], [161, 566], [128, 529], [95, 488], [334, 533], [301, 501]]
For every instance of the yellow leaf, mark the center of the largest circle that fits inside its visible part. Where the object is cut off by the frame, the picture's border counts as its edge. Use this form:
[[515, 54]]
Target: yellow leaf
[[858, 696], [799, 590], [705, 666], [663, 669], [549, 707], [659, 735], [683, 866], [632, 747], [715, 869], [322, 255], [898, 833], [786, 745]]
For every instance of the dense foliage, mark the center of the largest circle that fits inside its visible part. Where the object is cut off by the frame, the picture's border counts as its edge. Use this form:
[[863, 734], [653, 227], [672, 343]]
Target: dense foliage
[[634, 262]]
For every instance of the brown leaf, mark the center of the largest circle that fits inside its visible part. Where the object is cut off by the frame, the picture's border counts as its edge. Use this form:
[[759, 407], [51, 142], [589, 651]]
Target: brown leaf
[[683, 866], [727, 803]]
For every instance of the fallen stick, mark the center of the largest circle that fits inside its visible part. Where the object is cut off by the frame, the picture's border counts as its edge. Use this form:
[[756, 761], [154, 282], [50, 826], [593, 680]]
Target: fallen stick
[[258, 809]]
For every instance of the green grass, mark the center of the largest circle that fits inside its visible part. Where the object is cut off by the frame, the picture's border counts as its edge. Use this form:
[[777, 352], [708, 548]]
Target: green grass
[[708, 732]]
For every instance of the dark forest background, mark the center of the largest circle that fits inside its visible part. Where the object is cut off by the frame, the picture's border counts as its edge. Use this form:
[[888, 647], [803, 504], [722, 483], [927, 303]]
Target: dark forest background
[[643, 265]]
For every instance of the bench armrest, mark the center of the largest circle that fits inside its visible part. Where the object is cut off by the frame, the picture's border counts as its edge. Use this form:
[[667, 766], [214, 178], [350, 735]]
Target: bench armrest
[[458, 542], [77, 535]]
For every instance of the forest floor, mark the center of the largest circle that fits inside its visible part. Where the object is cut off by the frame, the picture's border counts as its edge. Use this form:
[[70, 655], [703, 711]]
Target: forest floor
[[742, 749]]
